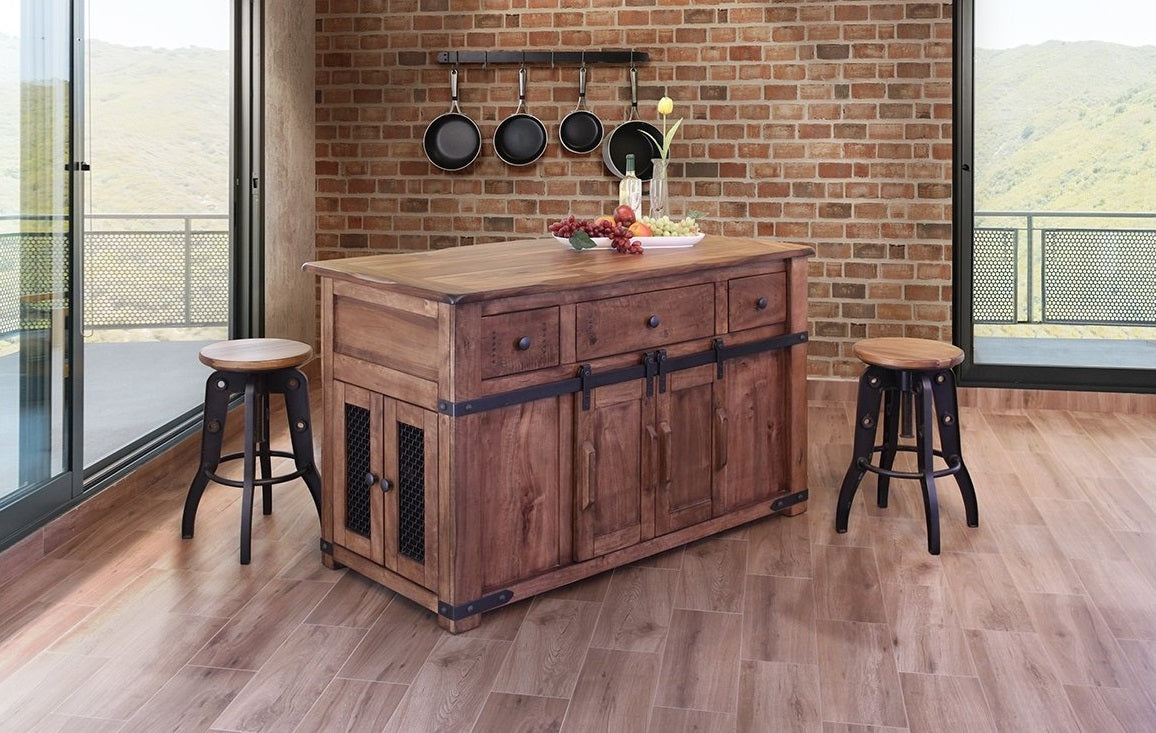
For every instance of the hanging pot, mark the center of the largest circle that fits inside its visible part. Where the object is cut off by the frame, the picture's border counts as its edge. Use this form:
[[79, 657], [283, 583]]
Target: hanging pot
[[452, 141], [581, 131], [520, 138], [627, 139]]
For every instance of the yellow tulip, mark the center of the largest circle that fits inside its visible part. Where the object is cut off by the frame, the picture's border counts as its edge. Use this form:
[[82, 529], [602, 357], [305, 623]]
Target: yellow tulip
[[665, 106]]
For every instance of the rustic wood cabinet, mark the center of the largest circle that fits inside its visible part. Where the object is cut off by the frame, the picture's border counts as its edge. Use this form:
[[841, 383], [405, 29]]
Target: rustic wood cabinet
[[506, 418]]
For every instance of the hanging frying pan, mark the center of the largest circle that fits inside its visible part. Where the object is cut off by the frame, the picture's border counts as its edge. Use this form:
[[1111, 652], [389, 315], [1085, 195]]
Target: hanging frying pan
[[627, 139], [581, 130], [452, 140], [520, 138]]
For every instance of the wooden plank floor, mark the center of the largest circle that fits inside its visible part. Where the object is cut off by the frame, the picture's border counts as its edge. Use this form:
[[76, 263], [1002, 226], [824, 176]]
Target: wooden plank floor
[[1041, 619]]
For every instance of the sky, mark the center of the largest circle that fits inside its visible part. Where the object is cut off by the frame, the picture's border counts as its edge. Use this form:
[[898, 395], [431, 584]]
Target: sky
[[1009, 23], [158, 23]]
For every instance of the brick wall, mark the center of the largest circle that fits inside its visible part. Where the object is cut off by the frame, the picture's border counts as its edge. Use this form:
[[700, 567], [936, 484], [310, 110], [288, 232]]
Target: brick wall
[[826, 122]]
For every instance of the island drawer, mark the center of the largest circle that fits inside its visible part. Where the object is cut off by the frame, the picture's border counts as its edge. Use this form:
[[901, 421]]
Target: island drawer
[[643, 321], [519, 342], [759, 300]]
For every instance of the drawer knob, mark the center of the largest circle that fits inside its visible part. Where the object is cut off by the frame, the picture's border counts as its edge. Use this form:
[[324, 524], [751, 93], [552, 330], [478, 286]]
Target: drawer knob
[[386, 484], [370, 479], [523, 343], [761, 304], [653, 321]]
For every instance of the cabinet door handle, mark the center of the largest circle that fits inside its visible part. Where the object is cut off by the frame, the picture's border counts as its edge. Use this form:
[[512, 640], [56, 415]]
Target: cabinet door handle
[[386, 485], [720, 437], [370, 479], [586, 486], [666, 453], [652, 457]]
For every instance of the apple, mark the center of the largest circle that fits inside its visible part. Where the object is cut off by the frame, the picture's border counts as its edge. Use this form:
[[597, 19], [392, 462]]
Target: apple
[[638, 229], [624, 214]]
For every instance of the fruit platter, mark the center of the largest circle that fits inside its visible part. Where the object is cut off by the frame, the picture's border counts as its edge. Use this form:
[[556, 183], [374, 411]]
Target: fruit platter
[[625, 233]]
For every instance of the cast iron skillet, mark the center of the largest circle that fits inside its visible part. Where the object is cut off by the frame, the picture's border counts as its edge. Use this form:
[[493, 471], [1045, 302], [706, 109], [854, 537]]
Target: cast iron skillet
[[452, 140], [627, 138], [520, 138], [581, 130]]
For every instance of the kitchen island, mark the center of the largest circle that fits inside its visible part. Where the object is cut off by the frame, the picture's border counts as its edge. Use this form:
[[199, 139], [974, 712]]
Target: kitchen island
[[506, 418]]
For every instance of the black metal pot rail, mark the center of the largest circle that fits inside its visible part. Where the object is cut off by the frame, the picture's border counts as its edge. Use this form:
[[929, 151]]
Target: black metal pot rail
[[544, 58], [655, 365]]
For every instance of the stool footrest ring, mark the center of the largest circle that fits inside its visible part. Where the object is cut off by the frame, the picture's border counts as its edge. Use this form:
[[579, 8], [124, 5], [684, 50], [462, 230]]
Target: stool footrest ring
[[238, 484], [952, 466]]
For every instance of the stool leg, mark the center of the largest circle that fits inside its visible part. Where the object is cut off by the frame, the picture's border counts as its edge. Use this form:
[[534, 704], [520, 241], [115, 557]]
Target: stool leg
[[262, 431], [947, 408], [866, 424], [217, 393], [890, 443], [924, 448], [251, 389], [295, 386]]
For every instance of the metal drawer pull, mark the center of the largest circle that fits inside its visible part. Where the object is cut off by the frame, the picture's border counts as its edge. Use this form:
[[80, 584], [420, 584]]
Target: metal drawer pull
[[761, 303], [653, 321], [523, 343]]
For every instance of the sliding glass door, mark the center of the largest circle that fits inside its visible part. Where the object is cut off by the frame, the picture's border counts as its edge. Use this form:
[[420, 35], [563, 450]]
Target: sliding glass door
[[1055, 195], [156, 225], [116, 235], [37, 198]]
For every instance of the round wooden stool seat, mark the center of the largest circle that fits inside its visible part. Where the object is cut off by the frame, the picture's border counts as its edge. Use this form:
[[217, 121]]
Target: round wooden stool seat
[[908, 353], [255, 355]]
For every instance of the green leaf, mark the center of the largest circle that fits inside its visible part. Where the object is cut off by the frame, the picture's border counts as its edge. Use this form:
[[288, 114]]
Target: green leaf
[[696, 215], [581, 240]]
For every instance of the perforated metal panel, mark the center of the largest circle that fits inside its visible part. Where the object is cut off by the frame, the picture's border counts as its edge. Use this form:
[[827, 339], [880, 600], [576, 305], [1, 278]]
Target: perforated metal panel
[[994, 277], [1099, 276], [357, 466], [411, 491]]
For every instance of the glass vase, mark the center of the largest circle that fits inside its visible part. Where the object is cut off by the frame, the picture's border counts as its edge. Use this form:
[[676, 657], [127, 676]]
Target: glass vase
[[659, 191]]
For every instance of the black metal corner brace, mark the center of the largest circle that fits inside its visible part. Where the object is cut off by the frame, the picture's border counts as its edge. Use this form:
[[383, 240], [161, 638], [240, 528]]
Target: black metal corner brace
[[787, 501], [481, 605], [544, 58]]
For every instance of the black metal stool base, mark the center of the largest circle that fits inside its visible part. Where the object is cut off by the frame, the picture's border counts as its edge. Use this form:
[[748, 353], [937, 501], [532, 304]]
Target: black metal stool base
[[898, 389], [256, 387]]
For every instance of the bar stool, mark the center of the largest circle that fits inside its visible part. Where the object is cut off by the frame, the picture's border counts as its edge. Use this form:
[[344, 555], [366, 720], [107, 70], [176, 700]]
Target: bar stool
[[906, 372], [255, 368]]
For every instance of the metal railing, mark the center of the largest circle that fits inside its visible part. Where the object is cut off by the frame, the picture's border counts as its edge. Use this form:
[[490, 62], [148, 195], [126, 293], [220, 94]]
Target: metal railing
[[1064, 268], [139, 271]]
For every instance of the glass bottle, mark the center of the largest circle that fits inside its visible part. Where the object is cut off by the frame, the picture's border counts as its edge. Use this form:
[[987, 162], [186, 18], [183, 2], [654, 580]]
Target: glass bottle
[[630, 188]]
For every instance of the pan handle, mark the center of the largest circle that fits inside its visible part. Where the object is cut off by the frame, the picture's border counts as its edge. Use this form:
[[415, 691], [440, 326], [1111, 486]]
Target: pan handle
[[581, 87], [454, 90], [521, 90], [633, 93]]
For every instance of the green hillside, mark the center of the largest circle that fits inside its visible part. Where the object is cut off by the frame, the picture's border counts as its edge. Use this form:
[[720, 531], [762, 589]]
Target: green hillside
[[1066, 127], [158, 133]]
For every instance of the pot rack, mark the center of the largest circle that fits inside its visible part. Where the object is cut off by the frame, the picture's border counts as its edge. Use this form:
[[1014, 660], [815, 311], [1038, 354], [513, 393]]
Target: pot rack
[[540, 58]]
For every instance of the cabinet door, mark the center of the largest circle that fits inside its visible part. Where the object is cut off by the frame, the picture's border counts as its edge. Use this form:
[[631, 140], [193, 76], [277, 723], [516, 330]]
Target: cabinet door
[[410, 499], [385, 497], [356, 495], [616, 445], [752, 416], [686, 450]]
